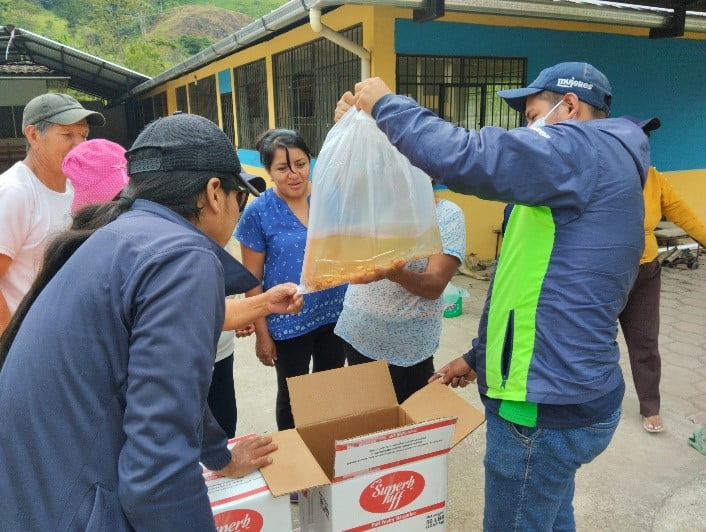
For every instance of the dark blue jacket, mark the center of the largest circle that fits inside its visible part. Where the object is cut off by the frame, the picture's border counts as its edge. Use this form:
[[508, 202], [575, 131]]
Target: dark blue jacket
[[103, 417], [570, 253]]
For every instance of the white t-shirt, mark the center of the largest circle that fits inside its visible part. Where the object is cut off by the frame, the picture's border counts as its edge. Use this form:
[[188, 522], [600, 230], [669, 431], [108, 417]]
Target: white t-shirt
[[384, 321], [30, 213], [226, 345]]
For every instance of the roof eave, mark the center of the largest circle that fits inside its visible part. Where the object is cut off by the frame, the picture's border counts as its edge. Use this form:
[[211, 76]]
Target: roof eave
[[86, 68], [296, 11]]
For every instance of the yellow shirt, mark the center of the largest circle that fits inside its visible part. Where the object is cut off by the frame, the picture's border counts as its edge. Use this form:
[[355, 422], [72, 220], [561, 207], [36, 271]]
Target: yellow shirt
[[662, 199]]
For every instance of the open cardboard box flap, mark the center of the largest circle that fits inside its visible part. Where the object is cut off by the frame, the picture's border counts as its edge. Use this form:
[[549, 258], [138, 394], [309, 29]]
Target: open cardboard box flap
[[293, 467], [435, 401], [339, 393]]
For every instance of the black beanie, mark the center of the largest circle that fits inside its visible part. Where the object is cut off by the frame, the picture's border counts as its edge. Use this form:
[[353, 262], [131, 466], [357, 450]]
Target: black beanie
[[185, 142]]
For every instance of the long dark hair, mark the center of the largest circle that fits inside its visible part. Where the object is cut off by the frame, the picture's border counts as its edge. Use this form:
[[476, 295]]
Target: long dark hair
[[272, 139], [176, 190]]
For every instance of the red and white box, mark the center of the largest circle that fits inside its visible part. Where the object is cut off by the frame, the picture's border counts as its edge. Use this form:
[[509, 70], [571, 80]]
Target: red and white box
[[360, 460], [245, 504], [395, 479]]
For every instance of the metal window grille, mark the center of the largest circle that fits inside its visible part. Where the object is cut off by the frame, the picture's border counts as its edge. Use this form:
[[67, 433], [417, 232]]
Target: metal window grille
[[181, 100], [463, 89], [11, 122], [227, 115], [133, 119], [147, 108], [7, 126], [139, 115], [251, 101], [202, 98], [309, 80], [160, 104]]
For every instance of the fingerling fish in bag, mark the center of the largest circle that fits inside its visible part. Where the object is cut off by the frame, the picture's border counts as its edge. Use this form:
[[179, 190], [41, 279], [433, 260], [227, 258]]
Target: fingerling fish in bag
[[369, 207]]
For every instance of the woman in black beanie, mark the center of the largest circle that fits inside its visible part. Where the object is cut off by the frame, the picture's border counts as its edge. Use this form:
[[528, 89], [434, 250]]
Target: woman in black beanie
[[108, 360]]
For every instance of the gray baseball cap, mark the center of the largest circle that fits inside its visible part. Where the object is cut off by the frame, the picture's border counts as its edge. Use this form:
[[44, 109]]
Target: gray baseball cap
[[58, 109]]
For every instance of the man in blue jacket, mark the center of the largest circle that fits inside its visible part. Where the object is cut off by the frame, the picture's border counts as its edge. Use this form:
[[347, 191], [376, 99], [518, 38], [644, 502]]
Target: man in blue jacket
[[546, 355]]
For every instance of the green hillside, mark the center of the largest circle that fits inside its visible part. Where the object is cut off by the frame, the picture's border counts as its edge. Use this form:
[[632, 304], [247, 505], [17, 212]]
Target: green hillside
[[252, 8], [197, 26], [33, 17], [147, 36]]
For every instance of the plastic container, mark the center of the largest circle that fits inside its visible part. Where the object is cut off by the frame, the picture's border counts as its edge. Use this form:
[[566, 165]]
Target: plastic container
[[453, 300]]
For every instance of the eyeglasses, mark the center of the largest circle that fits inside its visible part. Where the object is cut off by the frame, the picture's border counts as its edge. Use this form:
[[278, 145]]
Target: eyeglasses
[[241, 196]]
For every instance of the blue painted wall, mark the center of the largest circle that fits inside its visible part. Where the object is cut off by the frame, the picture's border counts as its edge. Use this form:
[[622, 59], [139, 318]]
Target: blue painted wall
[[664, 78], [224, 84], [249, 157]]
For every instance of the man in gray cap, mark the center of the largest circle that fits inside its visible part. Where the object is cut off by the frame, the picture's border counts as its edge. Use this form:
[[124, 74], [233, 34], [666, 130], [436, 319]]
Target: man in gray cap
[[546, 356], [35, 197]]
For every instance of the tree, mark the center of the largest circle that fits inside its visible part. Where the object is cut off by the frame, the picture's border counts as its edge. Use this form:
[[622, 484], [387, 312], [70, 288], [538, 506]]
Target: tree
[[193, 44], [111, 25], [144, 57]]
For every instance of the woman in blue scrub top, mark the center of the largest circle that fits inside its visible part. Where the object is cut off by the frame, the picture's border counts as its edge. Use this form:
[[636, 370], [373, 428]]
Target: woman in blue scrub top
[[272, 234]]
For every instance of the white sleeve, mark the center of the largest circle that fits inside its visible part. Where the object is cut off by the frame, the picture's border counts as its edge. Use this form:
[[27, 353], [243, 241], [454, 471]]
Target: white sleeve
[[452, 226], [15, 218]]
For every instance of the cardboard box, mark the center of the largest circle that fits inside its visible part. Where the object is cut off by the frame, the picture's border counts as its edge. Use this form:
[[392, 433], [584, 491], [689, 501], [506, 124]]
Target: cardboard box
[[361, 460], [246, 504]]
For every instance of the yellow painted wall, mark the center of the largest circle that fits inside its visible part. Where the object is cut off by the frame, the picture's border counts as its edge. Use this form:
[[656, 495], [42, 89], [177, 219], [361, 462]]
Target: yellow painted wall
[[482, 217], [338, 19]]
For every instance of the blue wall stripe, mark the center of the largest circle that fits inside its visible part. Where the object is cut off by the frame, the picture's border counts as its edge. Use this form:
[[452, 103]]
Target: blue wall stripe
[[249, 157], [224, 85], [252, 158], [663, 77]]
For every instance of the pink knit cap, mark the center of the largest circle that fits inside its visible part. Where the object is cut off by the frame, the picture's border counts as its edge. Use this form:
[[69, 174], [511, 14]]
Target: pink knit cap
[[97, 170]]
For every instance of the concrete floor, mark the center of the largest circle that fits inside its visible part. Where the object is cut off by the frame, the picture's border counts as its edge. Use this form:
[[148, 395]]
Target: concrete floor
[[641, 482]]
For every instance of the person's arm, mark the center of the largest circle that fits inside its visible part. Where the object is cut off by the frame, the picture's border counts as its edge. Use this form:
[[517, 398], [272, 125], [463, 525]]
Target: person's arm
[[280, 299], [676, 210], [5, 314], [440, 268], [526, 166], [15, 226], [264, 345], [241, 312], [456, 373], [246, 457], [431, 282], [176, 319], [517, 166]]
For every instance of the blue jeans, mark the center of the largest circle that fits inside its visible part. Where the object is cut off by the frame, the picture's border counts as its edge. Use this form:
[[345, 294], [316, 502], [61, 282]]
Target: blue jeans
[[530, 472]]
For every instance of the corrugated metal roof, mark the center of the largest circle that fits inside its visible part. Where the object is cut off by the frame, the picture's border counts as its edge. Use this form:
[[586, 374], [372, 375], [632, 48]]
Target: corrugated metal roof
[[643, 13], [88, 73]]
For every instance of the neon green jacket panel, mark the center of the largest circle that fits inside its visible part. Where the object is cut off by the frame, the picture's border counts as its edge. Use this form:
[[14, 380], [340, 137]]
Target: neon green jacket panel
[[514, 300]]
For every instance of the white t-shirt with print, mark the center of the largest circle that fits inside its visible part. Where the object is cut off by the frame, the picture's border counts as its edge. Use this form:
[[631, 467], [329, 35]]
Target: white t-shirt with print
[[384, 321], [30, 213]]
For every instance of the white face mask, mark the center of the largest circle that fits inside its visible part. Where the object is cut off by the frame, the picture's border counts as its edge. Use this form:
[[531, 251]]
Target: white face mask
[[541, 122]]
